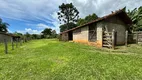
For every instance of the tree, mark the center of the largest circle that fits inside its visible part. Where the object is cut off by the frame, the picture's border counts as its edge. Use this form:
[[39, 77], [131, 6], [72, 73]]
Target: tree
[[18, 34], [3, 26], [27, 35], [34, 36], [81, 21], [136, 17], [87, 19], [90, 18], [68, 14], [64, 26], [47, 32], [54, 34]]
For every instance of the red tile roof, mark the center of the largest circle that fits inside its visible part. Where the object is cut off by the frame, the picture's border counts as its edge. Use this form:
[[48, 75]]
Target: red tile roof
[[121, 13]]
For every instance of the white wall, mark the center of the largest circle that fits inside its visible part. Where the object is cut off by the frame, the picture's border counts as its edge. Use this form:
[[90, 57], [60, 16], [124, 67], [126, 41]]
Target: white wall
[[81, 36]]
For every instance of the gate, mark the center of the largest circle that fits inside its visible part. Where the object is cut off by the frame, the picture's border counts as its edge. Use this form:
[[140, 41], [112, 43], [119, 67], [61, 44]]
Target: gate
[[109, 39]]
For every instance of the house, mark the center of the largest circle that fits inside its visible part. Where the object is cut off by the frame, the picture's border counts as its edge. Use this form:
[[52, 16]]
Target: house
[[8, 37], [93, 32]]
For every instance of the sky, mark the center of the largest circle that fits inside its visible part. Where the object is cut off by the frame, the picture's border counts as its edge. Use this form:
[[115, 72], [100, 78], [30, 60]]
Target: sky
[[33, 16]]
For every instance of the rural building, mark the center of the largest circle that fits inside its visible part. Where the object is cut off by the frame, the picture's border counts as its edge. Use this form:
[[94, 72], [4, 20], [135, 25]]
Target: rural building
[[93, 32], [8, 37]]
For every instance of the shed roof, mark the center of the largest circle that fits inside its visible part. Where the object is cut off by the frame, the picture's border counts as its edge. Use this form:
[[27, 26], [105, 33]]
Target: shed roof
[[121, 13], [9, 34]]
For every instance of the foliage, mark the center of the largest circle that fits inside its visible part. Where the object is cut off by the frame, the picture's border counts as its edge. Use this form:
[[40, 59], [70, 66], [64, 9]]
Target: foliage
[[27, 35], [36, 36], [67, 26], [68, 13], [54, 34], [18, 34], [47, 31], [81, 21], [136, 17], [3, 26], [87, 19], [54, 60]]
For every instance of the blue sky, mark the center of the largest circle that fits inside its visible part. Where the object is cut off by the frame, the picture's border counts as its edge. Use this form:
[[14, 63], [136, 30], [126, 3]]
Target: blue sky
[[35, 15]]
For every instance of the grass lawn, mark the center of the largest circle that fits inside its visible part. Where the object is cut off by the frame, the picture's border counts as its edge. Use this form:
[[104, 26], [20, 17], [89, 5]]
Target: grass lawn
[[54, 60]]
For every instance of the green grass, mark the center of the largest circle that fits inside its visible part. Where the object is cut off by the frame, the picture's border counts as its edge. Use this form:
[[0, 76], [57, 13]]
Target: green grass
[[54, 60], [2, 47]]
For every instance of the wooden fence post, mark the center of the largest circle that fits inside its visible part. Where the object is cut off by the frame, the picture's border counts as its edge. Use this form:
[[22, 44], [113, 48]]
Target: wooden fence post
[[137, 38], [12, 44], [20, 42], [113, 39], [126, 38], [5, 43], [16, 43]]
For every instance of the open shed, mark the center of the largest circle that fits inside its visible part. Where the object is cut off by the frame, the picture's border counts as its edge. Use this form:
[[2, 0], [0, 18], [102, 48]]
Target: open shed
[[93, 32]]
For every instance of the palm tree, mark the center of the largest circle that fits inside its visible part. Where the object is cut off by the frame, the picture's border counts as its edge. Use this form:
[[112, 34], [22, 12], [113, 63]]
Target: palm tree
[[3, 26]]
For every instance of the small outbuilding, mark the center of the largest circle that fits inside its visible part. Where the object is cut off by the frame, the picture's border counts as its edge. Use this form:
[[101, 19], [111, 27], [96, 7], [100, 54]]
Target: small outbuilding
[[5, 36], [94, 32], [8, 37]]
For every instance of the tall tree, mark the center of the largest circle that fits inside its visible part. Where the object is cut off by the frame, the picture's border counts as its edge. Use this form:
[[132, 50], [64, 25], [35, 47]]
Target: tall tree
[[68, 14], [3, 26]]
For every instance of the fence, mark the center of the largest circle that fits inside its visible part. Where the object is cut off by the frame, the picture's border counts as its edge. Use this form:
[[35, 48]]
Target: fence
[[6, 46], [109, 39], [135, 37]]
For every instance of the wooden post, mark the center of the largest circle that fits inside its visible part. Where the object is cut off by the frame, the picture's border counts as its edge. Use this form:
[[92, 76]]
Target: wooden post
[[113, 39], [12, 44], [16, 43], [6, 48], [126, 39], [20, 42], [137, 38]]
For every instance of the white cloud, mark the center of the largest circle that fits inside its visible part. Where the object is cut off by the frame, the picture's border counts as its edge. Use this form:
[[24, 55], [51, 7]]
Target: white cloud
[[42, 26], [45, 11], [10, 31], [29, 30], [55, 27], [103, 7], [29, 10], [56, 22]]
